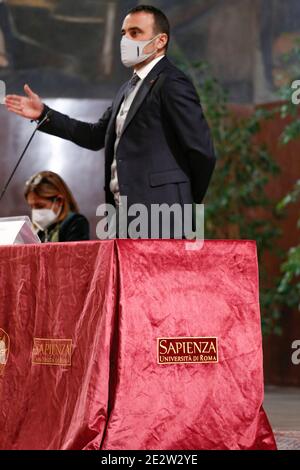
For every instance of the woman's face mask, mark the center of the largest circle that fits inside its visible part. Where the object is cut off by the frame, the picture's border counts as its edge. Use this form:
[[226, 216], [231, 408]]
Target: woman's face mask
[[132, 51], [43, 218]]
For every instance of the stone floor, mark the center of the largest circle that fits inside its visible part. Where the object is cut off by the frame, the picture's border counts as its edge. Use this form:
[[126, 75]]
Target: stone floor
[[282, 406]]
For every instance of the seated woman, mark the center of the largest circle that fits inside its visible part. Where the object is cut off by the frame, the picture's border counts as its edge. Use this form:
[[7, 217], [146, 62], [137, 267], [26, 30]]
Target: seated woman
[[55, 213]]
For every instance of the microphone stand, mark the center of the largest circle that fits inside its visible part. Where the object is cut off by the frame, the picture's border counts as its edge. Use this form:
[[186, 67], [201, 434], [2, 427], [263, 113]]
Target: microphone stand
[[23, 153]]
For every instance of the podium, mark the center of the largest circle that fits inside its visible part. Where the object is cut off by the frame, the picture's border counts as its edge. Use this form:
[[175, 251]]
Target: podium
[[131, 344]]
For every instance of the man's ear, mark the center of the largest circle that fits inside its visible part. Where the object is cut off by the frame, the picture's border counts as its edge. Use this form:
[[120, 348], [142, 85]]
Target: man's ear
[[163, 39]]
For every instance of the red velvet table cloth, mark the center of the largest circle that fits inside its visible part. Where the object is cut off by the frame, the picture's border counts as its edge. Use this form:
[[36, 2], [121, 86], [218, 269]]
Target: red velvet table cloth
[[79, 335]]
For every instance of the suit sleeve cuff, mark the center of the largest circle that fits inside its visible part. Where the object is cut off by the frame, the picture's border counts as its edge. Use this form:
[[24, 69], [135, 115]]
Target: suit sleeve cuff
[[44, 112]]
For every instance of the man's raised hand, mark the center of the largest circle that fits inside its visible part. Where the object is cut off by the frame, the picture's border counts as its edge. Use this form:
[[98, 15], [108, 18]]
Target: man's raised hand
[[30, 106]]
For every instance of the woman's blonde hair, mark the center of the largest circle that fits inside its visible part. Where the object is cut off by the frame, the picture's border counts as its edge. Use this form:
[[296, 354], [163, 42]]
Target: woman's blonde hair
[[50, 185]]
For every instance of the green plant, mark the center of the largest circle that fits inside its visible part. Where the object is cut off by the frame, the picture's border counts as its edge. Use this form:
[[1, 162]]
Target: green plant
[[289, 286], [287, 109], [288, 291]]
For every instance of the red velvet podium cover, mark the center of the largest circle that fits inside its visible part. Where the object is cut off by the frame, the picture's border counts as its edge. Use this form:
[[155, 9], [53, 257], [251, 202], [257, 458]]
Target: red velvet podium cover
[[131, 345]]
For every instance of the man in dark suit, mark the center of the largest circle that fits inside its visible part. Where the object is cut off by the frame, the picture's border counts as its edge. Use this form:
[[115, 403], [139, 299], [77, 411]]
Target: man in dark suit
[[158, 148]]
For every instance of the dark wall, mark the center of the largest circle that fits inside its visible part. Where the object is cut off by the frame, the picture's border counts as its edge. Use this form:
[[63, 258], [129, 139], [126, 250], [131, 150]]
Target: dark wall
[[70, 48]]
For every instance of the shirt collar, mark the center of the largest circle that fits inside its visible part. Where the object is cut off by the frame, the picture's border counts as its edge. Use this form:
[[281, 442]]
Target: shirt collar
[[143, 72]]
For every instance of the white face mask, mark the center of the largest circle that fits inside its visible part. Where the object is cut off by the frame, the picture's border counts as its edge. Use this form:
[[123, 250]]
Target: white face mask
[[132, 51], [42, 218]]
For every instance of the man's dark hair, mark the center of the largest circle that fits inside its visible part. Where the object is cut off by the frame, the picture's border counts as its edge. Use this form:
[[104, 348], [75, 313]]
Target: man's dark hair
[[161, 22]]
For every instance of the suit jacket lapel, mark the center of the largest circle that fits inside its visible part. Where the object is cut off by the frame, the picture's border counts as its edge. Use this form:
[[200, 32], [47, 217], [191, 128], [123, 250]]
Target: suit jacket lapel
[[143, 91]]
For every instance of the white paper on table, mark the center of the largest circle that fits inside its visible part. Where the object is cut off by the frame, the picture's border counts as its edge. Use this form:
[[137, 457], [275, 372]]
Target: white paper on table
[[9, 231], [17, 231]]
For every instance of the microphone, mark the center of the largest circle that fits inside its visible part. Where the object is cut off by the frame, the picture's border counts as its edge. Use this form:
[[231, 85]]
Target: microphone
[[46, 118]]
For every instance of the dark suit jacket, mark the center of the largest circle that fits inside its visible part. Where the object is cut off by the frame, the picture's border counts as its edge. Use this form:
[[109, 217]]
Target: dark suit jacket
[[165, 154], [74, 228]]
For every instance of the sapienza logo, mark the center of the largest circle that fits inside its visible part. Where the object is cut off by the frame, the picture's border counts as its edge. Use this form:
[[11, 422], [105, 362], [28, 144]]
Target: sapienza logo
[[296, 94], [53, 352], [296, 353], [183, 350]]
